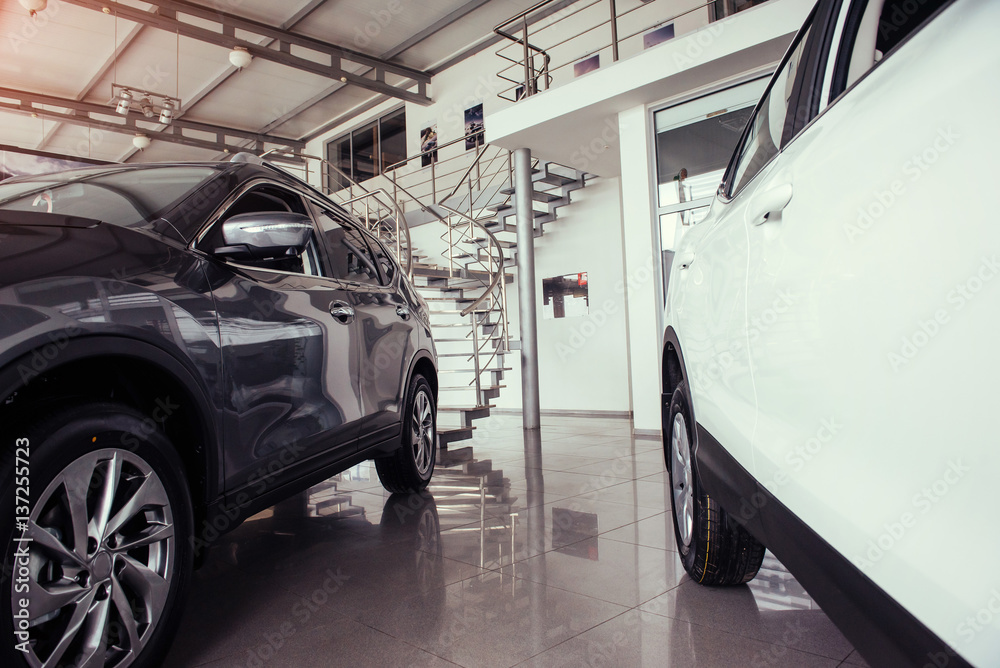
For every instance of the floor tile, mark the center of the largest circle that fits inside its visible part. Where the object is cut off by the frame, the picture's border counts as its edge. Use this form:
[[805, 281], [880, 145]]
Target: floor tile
[[642, 639]]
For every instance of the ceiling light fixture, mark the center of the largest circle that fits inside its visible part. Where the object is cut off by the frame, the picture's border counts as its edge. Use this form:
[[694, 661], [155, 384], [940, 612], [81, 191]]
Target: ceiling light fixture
[[148, 103], [167, 112], [240, 57], [141, 142], [124, 102], [34, 6]]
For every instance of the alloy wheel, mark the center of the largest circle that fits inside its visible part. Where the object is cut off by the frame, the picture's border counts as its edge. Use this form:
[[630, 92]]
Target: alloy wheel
[[681, 477], [422, 432], [101, 559]]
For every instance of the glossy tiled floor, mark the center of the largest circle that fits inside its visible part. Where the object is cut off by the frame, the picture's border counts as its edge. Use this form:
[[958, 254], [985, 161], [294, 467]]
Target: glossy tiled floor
[[555, 550]]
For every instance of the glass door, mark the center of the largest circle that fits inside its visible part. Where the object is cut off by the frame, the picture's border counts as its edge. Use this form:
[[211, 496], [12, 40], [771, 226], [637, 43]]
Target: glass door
[[694, 141]]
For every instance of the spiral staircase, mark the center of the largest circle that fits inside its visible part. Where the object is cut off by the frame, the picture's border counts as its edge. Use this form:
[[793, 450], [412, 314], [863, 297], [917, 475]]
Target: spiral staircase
[[462, 270]]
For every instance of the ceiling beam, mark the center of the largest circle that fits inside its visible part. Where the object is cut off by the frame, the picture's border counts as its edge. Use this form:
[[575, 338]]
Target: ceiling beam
[[225, 36], [96, 79], [86, 114]]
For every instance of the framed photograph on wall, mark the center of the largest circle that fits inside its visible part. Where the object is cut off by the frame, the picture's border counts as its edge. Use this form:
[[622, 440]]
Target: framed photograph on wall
[[658, 36], [428, 142], [565, 296], [474, 126], [587, 65]]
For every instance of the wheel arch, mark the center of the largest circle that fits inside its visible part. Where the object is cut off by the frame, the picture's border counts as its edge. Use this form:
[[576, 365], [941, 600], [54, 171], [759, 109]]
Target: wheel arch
[[136, 373], [672, 373], [424, 364]]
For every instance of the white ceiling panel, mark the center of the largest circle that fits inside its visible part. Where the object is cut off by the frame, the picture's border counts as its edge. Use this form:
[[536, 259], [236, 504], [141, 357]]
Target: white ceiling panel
[[265, 11], [165, 152], [58, 51], [257, 95], [78, 141], [68, 51]]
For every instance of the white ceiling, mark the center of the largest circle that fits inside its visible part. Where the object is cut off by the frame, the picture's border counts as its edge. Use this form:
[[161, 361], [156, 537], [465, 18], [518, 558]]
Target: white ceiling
[[69, 52]]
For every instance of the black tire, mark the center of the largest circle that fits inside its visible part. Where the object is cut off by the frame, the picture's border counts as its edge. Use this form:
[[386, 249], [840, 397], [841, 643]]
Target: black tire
[[76, 448], [714, 549], [409, 469]]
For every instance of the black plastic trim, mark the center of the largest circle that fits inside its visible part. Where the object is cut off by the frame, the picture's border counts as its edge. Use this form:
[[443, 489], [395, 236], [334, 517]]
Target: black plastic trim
[[884, 632]]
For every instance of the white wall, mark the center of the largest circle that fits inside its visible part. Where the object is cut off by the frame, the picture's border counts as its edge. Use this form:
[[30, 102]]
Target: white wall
[[582, 361]]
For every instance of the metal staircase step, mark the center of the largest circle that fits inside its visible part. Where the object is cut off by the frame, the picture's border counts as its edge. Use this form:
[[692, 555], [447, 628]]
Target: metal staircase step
[[453, 457], [446, 436], [537, 195], [450, 299], [556, 179], [502, 368]]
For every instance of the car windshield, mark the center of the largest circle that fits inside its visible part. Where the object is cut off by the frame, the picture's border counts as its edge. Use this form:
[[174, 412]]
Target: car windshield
[[126, 197]]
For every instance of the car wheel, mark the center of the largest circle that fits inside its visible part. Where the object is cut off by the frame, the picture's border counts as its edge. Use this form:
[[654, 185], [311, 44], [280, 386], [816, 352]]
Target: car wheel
[[714, 549], [409, 469], [109, 557]]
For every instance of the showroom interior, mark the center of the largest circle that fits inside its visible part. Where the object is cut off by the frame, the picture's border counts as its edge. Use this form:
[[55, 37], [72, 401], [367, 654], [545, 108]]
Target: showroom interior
[[546, 536]]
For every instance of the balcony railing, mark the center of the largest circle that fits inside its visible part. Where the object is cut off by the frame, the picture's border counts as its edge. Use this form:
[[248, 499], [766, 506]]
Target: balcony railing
[[553, 42]]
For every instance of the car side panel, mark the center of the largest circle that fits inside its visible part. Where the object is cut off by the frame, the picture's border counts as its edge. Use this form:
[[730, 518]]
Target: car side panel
[[388, 344], [292, 396], [64, 285], [876, 389], [706, 307]]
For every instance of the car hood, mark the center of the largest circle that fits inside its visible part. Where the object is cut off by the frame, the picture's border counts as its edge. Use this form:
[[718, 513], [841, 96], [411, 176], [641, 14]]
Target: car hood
[[48, 245]]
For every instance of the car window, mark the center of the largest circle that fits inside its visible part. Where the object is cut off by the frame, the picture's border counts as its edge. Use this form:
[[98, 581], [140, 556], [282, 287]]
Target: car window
[[770, 121], [351, 259], [126, 197], [384, 260], [872, 29], [264, 199]]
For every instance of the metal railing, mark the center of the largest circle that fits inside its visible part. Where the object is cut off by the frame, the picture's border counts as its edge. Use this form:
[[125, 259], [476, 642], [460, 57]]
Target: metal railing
[[374, 207], [570, 33]]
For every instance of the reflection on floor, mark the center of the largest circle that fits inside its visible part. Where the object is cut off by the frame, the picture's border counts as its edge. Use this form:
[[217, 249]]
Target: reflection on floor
[[552, 550]]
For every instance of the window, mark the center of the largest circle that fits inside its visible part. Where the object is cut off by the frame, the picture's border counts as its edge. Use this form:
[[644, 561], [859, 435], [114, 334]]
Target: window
[[771, 123], [350, 257], [264, 199], [368, 151], [873, 29], [127, 197]]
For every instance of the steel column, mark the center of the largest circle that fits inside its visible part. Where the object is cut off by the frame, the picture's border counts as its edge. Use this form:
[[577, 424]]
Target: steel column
[[530, 409]]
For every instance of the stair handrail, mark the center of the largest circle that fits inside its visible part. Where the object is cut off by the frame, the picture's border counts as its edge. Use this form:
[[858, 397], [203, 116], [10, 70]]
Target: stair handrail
[[393, 166], [495, 243], [399, 217], [531, 75]]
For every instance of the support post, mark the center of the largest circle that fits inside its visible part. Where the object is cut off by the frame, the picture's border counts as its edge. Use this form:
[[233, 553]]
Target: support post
[[530, 410]]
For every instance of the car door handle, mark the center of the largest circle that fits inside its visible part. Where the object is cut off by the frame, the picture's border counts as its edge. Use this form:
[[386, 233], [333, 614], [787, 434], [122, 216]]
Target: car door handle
[[769, 204], [684, 259], [403, 312], [342, 311]]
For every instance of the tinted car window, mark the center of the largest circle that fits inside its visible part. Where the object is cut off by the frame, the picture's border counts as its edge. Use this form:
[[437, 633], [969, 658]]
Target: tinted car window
[[350, 257], [763, 139], [268, 199], [126, 197]]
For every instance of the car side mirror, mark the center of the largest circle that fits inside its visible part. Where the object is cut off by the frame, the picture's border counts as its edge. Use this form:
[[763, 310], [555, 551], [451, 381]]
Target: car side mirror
[[269, 235]]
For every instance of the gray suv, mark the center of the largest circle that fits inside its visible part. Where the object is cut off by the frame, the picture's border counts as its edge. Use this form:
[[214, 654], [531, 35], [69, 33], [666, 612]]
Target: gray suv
[[182, 346]]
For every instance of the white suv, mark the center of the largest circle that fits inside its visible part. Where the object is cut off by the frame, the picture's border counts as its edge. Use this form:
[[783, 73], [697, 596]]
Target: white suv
[[831, 359]]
